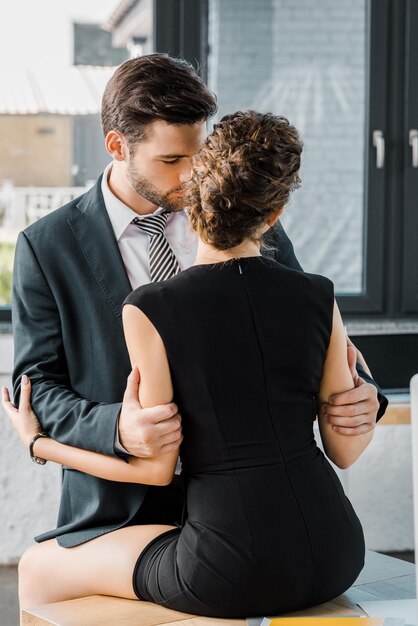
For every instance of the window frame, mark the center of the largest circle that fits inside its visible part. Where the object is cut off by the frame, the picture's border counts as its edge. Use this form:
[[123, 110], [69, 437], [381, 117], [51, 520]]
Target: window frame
[[180, 28], [410, 226], [5, 315], [370, 300]]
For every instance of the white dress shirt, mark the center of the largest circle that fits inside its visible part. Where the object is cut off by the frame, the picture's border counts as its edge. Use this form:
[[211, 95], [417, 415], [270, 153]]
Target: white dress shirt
[[134, 243]]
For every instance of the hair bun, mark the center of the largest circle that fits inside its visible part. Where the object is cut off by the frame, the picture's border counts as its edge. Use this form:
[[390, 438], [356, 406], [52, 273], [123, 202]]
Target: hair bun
[[245, 170]]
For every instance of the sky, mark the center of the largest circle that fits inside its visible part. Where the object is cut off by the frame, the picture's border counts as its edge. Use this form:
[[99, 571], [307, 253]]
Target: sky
[[39, 32]]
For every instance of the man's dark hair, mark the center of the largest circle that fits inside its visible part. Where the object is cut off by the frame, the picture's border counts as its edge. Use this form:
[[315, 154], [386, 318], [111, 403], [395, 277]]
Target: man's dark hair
[[154, 87]]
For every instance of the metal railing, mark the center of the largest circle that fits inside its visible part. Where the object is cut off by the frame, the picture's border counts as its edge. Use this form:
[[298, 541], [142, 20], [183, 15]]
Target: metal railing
[[21, 206]]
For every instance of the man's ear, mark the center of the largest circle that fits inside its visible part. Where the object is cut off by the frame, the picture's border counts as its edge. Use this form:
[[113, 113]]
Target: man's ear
[[116, 145]]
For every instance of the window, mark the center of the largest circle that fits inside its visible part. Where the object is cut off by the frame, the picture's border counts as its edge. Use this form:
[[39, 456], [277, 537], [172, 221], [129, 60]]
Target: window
[[308, 62]]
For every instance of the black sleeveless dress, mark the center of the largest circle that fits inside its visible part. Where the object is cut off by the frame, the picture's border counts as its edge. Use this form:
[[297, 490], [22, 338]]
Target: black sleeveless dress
[[268, 527]]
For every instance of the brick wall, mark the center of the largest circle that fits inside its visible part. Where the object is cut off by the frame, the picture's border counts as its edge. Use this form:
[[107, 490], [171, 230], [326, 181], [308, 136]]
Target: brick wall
[[305, 60], [36, 150]]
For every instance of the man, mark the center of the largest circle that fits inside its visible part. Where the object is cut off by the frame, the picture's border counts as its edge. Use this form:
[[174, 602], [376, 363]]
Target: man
[[74, 268]]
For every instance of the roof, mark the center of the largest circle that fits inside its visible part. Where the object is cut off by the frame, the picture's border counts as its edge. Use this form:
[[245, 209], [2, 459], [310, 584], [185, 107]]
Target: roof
[[75, 90], [119, 13]]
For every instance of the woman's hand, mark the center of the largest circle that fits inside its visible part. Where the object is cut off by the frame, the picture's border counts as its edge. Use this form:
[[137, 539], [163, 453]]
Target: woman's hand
[[23, 420]]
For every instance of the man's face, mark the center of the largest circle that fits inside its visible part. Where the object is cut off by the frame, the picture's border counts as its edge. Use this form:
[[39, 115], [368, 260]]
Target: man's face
[[160, 164]]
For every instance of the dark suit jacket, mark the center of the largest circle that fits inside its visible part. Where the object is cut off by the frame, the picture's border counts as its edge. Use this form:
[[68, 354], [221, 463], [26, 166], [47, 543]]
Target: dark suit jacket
[[68, 288]]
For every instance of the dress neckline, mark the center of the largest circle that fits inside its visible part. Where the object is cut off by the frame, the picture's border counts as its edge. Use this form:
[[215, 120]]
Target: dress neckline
[[229, 262]]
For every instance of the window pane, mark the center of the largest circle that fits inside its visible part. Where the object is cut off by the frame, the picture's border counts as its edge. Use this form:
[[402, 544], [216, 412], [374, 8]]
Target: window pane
[[307, 61]]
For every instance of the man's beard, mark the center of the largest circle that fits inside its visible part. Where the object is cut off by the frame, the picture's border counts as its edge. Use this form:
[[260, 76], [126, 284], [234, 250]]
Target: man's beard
[[147, 190]]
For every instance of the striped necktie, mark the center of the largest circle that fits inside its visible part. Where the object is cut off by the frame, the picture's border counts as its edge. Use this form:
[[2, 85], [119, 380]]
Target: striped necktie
[[163, 264]]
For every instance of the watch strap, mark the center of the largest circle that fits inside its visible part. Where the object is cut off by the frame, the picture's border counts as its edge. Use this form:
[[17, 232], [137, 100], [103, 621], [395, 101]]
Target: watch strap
[[36, 459]]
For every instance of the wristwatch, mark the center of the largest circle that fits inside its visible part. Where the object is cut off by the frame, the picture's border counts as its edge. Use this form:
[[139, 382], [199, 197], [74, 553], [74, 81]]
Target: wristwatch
[[34, 458]]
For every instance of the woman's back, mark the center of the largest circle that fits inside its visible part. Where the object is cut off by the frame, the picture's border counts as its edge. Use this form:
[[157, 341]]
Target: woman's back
[[246, 342], [244, 339]]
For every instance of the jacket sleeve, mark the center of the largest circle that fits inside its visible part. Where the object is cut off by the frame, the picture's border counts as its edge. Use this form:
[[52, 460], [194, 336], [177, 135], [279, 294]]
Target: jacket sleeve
[[39, 353], [383, 401], [279, 245]]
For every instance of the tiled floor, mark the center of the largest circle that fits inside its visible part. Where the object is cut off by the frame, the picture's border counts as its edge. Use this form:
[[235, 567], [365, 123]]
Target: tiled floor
[[9, 613]]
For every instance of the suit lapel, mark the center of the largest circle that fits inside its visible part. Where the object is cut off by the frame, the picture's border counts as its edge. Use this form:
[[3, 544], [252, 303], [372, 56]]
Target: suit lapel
[[93, 230]]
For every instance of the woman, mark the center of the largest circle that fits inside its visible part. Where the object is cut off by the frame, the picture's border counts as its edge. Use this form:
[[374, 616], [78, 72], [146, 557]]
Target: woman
[[245, 347]]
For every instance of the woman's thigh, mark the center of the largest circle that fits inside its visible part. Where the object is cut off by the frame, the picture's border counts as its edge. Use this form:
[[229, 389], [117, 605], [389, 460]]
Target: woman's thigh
[[50, 573]]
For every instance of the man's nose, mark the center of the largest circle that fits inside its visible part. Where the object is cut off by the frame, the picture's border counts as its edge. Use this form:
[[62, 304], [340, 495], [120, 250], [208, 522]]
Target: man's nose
[[186, 171]]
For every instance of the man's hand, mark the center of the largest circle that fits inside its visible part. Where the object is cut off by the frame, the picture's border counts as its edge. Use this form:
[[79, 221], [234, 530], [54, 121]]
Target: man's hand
[[147, 432], [352, 412]]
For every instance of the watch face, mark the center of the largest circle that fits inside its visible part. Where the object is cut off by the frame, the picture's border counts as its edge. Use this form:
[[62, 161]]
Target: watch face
[[36, 459]]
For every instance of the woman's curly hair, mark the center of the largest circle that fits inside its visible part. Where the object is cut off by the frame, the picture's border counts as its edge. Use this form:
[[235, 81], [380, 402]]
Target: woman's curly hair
[[245, 170]]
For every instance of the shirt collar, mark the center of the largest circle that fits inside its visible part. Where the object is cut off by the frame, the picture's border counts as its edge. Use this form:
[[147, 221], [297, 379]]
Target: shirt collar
[[120, 214]]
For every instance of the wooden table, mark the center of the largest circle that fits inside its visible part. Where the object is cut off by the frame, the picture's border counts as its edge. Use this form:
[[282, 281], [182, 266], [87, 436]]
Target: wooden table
[[383, 577], [396, 414]]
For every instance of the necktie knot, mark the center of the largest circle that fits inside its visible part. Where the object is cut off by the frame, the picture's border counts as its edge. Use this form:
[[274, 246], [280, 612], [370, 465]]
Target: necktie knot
[[162, 261], [152, 224]]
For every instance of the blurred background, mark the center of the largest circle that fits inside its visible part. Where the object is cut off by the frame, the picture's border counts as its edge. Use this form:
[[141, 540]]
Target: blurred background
[[345, 74]]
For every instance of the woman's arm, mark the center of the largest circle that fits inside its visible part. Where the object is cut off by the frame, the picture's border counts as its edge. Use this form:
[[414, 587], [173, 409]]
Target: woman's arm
[[336, 378], [146, 471], [147, 351]]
